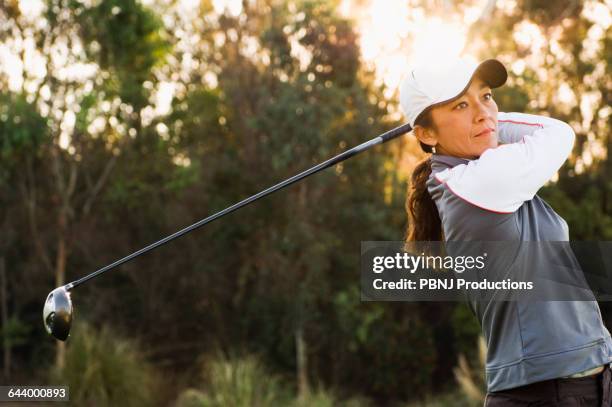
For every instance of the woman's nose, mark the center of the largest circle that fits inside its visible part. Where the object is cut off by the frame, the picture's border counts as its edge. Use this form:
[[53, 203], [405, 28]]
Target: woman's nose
[[481, 113]]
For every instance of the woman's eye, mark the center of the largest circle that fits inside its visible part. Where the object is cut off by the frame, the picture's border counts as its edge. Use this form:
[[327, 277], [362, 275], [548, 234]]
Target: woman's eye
[[461, 105], [488, 96]]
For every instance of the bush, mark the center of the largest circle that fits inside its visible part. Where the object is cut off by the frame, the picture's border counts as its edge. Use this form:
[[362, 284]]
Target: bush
[[102, 370], [472, 381], [238, 382], [244, 382], [317, 398]]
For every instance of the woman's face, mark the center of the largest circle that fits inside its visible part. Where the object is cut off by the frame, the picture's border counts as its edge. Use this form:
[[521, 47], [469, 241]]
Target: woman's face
[[467, 126]]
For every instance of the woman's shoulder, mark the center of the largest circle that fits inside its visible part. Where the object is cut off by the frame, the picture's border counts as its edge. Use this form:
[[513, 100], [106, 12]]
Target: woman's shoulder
[[445, 170], [464, 219]]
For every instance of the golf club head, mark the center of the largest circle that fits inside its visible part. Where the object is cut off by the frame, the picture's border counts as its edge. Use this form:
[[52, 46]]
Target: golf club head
[[57, 313]]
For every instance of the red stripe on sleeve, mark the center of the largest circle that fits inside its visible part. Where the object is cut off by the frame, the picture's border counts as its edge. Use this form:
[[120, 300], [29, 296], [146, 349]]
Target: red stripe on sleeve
[[467, 200], [515, 122]]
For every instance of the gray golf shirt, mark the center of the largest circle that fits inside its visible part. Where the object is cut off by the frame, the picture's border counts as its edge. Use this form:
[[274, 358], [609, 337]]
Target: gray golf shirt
[[493, 198]]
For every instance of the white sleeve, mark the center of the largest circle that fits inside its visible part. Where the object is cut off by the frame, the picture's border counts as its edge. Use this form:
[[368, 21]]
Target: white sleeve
[[510, 174], [512, 127]]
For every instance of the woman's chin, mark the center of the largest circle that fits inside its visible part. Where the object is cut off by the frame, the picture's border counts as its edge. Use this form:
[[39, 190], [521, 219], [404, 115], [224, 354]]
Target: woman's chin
[[487, 147]]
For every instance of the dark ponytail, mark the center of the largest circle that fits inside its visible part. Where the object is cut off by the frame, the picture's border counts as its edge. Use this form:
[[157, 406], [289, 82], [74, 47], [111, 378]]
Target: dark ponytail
[[423, 218]]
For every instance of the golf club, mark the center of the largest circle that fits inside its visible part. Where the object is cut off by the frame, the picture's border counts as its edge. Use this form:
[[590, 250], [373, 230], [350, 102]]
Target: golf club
[[58, 310]]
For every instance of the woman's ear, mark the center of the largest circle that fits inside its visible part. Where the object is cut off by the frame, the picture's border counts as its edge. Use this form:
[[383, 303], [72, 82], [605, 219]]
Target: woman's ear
[[425, 135]]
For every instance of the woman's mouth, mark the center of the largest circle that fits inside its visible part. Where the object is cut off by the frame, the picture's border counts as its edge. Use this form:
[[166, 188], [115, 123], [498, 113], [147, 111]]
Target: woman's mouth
[[485, 132]]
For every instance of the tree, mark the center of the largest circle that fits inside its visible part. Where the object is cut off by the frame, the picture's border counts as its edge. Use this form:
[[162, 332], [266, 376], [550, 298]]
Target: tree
[[115, 60]]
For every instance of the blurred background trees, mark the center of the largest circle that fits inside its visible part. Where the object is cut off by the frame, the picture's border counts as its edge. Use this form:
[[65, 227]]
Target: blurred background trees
[[123, 121]]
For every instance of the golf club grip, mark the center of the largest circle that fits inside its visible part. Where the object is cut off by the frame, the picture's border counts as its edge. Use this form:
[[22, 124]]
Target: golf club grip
[[391, 134]]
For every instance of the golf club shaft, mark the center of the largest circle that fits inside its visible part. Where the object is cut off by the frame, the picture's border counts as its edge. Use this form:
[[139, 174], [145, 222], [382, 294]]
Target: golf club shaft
[[391, 134]]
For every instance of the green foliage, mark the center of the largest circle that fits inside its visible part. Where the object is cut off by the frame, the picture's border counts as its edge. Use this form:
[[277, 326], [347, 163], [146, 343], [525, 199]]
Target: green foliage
[[466, 329], [318, 398], [239, 382], [376, 334], [128, 40], [598, 224], [22, 128], [511, 98], [195, 120], [365, 320], [84, 115], [332, 42], [183, 178], [277, 41], [245, 382], [15, 332], [130, 192], [104, 370], [472, 380], [145, 186], [321, 397]]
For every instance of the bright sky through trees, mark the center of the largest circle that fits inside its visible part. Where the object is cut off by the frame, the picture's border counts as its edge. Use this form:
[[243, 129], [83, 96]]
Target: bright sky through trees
[[393, 35], [384, 27]]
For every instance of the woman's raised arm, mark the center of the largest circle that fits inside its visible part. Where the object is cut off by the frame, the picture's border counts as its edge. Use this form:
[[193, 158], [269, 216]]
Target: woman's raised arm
[[501, 179]]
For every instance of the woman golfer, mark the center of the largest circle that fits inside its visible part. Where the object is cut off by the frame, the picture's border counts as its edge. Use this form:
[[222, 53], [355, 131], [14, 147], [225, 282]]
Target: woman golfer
[[480, 184]]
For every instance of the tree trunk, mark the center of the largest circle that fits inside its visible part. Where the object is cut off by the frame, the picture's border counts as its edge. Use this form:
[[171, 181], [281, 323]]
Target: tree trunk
[[60, 277], [300, 343], [302, 365], [4, 304]]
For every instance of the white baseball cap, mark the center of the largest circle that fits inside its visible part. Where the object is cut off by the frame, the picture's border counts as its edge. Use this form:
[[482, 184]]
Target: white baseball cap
[[427, 85]]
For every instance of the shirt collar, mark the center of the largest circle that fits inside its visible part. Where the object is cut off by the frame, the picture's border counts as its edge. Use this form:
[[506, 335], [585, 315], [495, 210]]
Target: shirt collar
[[447, 161]]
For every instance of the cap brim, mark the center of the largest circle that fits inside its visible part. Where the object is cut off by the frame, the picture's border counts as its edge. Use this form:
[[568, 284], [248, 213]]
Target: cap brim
[[492, 72]]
